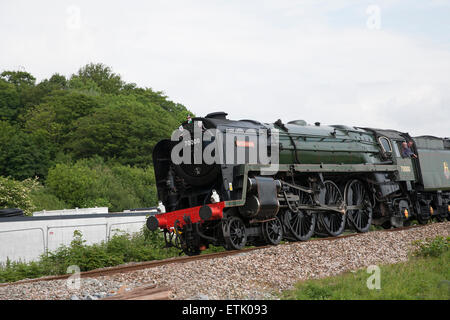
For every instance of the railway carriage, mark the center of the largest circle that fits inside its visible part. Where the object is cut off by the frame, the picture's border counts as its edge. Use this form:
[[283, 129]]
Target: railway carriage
[[327, 179]]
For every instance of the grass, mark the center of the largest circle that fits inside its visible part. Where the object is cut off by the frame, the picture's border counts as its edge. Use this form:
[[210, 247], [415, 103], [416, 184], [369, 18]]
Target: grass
[[425, 276]]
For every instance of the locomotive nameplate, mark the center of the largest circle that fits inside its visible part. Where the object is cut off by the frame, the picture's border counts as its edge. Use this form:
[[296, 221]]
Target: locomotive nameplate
[[405, 168]]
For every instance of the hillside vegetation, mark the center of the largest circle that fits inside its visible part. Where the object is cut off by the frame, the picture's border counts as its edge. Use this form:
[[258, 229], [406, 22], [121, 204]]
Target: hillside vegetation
[[81, 141]]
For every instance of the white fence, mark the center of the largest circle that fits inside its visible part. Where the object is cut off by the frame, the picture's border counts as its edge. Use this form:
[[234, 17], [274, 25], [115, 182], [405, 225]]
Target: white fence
[[26, 238], [70, 211]]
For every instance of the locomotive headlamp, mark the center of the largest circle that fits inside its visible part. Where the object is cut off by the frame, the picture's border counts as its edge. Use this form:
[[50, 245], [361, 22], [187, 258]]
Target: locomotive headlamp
[[406, 213], [431, 210]]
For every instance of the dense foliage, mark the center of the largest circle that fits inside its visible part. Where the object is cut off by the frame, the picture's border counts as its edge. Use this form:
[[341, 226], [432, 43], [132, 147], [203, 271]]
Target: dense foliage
[[89, 183], [88, 138]]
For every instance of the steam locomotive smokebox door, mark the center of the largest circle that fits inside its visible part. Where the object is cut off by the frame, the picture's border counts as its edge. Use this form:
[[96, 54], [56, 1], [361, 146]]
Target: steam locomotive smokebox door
[[264, 204]]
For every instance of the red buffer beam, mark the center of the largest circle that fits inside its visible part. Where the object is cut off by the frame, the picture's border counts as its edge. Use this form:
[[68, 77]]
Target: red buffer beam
[[167, 220]]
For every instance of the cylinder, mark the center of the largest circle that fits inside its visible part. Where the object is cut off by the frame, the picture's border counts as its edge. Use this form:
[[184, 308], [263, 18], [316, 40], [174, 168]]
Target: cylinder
[[251, 207]]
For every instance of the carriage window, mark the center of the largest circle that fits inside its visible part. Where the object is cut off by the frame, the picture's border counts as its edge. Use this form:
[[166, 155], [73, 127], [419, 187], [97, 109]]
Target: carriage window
[[386, 144]]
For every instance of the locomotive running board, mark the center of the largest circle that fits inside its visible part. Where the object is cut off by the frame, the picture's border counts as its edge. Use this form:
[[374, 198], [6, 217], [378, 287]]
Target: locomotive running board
[[307, 168]]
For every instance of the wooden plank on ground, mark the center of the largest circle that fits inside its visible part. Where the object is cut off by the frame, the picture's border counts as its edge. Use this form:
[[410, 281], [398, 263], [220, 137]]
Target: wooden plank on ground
[[148, 292]]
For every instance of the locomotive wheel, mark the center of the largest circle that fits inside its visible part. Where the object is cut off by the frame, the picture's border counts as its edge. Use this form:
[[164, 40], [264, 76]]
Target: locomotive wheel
[[387, 224], [357, 195], [188, 247], [444, 213], [272, 231], [191, 251], [423, 218], [234, 233], [332, 222], [441, 215], [299, 225], [185, 242]]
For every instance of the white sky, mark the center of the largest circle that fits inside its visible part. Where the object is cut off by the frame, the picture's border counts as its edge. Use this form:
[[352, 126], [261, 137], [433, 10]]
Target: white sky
[[335, 62]]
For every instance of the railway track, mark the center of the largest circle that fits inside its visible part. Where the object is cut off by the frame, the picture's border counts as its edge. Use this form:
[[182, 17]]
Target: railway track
[[183, 259]]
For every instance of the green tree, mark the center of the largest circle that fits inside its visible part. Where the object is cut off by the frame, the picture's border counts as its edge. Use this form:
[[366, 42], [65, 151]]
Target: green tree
[[102, 75], [124, 129], [56, 115], [18, 78], [95, 117], [176, 110], [23, 155], [86, 86], [45, 88], [28, 93], [9, 101]]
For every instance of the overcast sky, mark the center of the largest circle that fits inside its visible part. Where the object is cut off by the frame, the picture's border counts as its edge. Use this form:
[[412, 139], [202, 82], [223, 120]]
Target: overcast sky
[[373, 63]]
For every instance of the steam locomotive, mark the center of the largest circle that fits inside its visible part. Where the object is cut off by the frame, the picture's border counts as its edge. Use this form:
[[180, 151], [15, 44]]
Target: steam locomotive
[[319, 180]]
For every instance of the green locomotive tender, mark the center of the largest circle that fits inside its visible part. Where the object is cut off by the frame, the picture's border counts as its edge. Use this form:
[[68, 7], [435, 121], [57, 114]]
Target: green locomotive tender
[[327, 178]]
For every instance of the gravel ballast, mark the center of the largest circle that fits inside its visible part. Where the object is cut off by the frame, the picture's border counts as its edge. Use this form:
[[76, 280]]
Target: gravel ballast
[[258, 274]]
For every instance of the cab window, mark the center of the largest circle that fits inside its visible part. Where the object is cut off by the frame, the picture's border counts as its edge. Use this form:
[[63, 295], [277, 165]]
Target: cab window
[[396, 150], [386, 144]]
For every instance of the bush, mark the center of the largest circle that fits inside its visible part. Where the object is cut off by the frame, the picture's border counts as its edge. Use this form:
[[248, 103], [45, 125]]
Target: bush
[[78, 253], [14, 271], [432, 247], [121, 248], [43, 199], [16, 194], [73, 184], [89, 183]]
